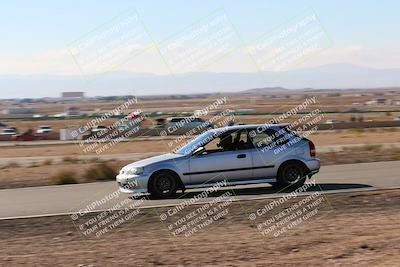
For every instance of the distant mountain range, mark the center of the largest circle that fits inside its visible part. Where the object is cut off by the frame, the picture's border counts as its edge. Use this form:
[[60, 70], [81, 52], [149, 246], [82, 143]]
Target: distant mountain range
[[335, 76]]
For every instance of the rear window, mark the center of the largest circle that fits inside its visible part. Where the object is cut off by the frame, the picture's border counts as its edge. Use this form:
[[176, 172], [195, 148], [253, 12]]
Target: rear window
[[294, 134], [291, 132]]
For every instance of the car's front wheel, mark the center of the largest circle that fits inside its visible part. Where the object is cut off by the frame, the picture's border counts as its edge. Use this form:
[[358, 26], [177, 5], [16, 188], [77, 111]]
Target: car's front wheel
[[163, 184], [291, 174]]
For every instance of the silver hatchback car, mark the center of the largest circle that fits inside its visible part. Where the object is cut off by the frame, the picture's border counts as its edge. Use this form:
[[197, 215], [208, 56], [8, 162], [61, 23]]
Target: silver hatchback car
[[238, 155]]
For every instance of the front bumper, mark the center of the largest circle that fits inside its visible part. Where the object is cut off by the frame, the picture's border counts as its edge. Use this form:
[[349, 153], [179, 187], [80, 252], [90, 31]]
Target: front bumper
[[133, 184]]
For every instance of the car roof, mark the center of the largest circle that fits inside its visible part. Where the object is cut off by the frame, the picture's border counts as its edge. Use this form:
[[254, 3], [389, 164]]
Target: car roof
[[249, 126]]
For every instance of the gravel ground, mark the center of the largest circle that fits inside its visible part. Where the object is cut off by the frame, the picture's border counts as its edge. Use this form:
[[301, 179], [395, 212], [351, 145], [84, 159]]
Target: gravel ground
[[353, 229]]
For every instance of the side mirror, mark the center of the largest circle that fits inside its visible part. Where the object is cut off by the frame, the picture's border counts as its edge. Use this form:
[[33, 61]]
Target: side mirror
[[199, 151]]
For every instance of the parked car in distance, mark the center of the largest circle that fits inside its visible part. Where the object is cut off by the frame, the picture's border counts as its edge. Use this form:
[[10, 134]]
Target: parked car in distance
[[8, 131], [159, 123], [188, 122], [99, 128], [44, 129], [240, 154], [331, 121], [27, 136], [136, 115]]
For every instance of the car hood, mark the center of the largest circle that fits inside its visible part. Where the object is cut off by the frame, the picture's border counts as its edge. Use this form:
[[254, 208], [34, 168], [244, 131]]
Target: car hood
[[156, 159]]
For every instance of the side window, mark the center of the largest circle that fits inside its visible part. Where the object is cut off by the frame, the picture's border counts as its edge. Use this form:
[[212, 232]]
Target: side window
[[230, 141], [242, 140], [222, 143], [212, 146], [268, 137], [281, 137]]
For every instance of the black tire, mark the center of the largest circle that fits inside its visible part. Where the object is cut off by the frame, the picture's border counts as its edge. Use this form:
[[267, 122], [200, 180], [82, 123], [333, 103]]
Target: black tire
[[292, 174], [163, 184]]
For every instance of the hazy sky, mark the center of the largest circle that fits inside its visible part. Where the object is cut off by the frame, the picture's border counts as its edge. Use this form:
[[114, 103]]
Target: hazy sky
[[37, 35]]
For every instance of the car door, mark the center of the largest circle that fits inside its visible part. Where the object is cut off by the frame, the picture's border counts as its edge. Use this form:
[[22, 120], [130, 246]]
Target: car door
[[232, 162], [267, 142]]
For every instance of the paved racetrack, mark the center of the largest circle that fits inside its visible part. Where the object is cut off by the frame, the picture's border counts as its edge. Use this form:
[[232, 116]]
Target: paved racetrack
[[49, 200]]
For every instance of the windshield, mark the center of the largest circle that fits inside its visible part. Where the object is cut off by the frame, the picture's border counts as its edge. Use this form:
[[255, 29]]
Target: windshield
[[199, 141]]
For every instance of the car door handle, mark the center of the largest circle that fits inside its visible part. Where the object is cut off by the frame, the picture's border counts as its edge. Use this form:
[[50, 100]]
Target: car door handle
[[241, 156]]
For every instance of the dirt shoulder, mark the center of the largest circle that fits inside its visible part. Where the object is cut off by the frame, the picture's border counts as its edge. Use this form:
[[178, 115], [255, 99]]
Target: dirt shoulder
[[47, 174], [353, 229], [345, 137]]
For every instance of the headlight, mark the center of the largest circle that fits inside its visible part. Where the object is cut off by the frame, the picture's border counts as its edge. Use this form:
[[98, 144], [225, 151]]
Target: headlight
[[134, 171]]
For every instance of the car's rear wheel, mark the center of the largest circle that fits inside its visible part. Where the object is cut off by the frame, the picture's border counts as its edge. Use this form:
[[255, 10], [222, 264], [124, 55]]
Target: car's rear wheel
[[291, 174], [163, 184]]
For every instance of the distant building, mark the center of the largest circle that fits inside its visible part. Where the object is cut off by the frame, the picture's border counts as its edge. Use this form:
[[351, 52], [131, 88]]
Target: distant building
[[18, 111], [72, 95], [379, 101], [395, 102], [370, 102]]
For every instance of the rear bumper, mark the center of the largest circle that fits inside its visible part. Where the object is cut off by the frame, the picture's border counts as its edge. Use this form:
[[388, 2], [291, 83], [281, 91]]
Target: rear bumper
[[313, 166]]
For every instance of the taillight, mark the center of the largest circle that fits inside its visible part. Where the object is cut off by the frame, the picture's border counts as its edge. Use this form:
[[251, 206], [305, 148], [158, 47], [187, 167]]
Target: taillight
[[312, 149]]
